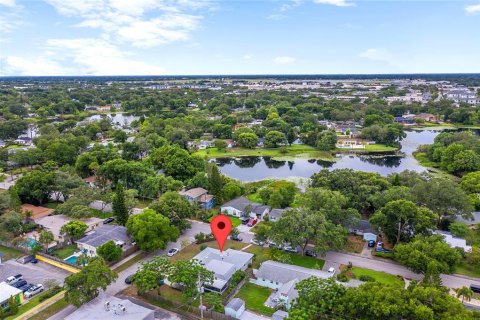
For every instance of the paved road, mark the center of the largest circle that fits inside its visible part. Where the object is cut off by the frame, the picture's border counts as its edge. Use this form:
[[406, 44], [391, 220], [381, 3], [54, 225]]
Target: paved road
[[336, 258]]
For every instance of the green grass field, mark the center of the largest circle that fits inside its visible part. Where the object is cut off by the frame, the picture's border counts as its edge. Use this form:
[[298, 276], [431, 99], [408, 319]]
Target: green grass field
[[381, 277], [297, 151], [235, 221], [468, 270], [9, 253], [370, 148], [264, 254], [50, 310], [65, 252], [255, 297]]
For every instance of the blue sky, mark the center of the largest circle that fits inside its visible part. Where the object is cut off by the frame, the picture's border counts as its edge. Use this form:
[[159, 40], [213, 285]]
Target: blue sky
[[129, 37]]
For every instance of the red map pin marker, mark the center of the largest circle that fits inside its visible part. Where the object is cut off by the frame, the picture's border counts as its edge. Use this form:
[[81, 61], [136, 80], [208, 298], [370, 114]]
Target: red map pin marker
[[221, 226]]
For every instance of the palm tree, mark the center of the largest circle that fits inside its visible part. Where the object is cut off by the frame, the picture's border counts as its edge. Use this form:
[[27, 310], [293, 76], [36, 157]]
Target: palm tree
[[465, 293]]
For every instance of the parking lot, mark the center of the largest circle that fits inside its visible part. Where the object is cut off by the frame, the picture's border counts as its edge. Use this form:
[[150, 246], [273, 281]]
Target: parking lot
[[32, 273]]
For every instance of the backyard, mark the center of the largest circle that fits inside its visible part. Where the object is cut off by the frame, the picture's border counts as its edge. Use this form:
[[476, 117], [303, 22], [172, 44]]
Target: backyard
[[9, 253], [264, 254], [65, 252], [379, 276], [255, 297]]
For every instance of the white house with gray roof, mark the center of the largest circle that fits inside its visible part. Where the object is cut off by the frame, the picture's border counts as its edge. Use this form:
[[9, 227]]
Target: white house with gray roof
[[223, 264], [94, 239], [276, 214], [238, 206]]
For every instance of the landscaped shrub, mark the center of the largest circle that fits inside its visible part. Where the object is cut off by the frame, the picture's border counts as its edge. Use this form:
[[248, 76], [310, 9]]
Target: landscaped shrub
[[366, 278], [50, 293]]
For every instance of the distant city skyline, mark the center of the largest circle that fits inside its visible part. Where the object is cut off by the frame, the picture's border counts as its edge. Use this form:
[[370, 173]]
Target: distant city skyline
[[186, 37]]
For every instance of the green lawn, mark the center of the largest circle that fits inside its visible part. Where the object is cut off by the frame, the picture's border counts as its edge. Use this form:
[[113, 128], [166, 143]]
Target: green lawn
[[298, 151], [101, 214], [255, 297], [381, 277], [235, 221], [52, 205], [370, 148], [50, 310], [28, 305], [10, 253], [468, 270], [143, 203], [65, 252], [255, 197], [421, 157], [264, 254], [130, 262]]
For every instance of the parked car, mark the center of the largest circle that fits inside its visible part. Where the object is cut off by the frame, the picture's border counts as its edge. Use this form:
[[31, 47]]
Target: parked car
[[331, 271], [34, 290], [371, 244], [290, 249], [237, 238], [34, 261], [310, 253], [108, 220], [245, 221], [251, 222], [272, 244], [19, 283], [172, 252], [258, 243], [379, 245], [130, 279], [475, 288], [26, 287], [13, 279]]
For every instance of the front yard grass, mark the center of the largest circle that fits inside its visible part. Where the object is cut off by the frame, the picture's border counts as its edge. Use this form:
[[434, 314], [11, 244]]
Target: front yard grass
[[379, 276], [263, 254], [9, 253], [54, 308], [235, 221], [468, 270], [65, 252], [255, 297]]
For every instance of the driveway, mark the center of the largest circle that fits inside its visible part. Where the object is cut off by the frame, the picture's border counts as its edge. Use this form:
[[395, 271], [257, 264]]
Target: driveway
[[33, 273]]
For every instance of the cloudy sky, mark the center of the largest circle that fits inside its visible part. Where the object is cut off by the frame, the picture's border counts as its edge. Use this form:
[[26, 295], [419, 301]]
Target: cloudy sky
[[143, 37]]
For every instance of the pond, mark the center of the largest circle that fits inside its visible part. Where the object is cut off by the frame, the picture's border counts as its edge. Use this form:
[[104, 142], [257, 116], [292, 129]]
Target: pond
[[119, 119], [259, 168]]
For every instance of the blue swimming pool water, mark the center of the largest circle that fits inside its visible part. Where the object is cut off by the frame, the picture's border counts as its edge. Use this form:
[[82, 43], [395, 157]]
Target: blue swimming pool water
[[71, 260]]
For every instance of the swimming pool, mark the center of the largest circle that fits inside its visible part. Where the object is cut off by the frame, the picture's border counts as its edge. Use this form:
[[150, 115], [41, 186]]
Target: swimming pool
[[71, 260]]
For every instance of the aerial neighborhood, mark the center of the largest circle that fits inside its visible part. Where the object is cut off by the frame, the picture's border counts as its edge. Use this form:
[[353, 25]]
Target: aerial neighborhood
[[346, 196]]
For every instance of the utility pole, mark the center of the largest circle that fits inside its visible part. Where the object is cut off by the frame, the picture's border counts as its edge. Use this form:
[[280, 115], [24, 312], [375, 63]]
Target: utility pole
[[200, 290]]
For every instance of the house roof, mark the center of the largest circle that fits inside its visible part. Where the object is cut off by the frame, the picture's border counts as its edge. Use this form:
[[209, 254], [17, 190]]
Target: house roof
[[283, 273], [54, 223], [6, 291], [104, 234], [364, 226], [476, 219], [240, 203], [193, 193], [223, 264], [235, 304], [260, 209], [279, 315], [276, 213], [453, 241], [37, 212]]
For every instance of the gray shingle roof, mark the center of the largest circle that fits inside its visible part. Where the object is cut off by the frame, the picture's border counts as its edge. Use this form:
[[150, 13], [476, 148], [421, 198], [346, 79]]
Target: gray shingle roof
[[279, 315], [276, 213], [240, 203], [235, 304], [104, 234], [283, 273]]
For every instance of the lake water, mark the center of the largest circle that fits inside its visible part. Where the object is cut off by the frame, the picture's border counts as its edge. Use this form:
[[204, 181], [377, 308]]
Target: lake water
[[119, 119], [258, 168]]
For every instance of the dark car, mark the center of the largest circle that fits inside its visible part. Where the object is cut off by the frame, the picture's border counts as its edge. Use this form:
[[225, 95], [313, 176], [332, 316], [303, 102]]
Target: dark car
[[475, 288], [108, 220], [19, 284], [237, 238], [130, 279], [34, 261], [310, 253], [371, 244], [245, 221], [26, 287]]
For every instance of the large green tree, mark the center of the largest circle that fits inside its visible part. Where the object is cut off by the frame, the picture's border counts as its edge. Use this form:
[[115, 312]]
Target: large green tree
[[109, 251], [187, 274], [175, 207], [119, 206], [150, 274], [73, 229]]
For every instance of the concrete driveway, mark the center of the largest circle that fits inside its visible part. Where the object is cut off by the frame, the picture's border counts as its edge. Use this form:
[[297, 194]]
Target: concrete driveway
[[33, 273]]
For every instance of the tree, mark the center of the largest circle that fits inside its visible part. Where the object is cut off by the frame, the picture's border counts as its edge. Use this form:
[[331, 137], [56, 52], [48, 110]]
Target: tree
[[291, 136], [327, 140], [417, 254], [316, 298], [119, 207], [35, 187], [220, 144], [215, 181], [151, 231], [74, 229], [274, 138], [262, 232], [402, 219], [150, 274], [12, 305], [459, 229], [175, 207], [83, 286], [109, 251], [213, 301], [231, 190], [45, 238], [300, 226], [64, 182], [465, 293], [247, 140], [187, 274]]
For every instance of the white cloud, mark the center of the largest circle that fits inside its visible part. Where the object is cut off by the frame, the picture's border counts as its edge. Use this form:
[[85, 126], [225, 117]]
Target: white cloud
[[376, 55], [142, 23], [248, 56], [338, 3], [7, 3], [473, 9], [284, 60], [31, 67]]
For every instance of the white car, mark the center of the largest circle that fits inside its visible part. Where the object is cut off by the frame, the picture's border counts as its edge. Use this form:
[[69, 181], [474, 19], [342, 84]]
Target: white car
[[331, 271], [33, 291], [172, 252], [258, 243]]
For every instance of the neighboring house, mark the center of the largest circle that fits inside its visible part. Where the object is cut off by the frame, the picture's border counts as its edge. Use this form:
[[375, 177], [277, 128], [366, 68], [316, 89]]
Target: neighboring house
[[279, 315], [2, 144], [276, 214], [106, 307], [101, 235], [351, 143], [365, 229], [235, 308], [24, 141], [462, 95], [36, 211], [224, 265], [6, 291], [54, 224], [404, 121], [475, 221], [204, 144], [454, 242], [427, 117], [200, 196], [230, 143], [237, 206], [104, 108]]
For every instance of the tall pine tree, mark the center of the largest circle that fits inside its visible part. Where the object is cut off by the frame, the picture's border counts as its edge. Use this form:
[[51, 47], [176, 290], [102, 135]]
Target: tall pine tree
[[216, 182], [119, 207]]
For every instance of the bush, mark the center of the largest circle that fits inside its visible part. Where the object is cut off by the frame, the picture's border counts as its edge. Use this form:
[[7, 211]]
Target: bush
[[366, 278], [50, 293], [202, 237], [387, 255], [342, 277], [203, 247]]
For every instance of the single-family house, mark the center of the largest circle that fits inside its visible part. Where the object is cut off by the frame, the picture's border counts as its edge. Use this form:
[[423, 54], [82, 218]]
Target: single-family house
[[24, 141], [105, 108], [7, 291], [224, 265], [351, 143], [279, 315], [104, 233], [230, 143], [106, 307], [427, 117], [54, 223], [235, 308], [238, 206], [454, 242], [471, 222], [200, 196], [275, 214], [365, 229]]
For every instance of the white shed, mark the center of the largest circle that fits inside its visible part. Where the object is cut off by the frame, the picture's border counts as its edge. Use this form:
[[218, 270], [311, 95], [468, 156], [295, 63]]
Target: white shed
[[235, 308]]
